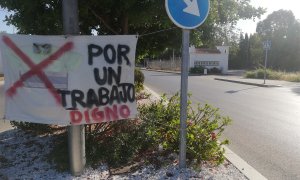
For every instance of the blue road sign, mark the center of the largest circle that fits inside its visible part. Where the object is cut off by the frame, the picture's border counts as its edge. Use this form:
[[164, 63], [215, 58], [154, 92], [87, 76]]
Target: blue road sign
[[187, 14]]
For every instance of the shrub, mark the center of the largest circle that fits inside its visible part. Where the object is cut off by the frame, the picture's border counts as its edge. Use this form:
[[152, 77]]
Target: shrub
[[115, 143], [34, 127], [59, 155], [260, 73], [197, 70], [250, 74], [214, 70], [139, 79], [120, 142], [205, 125]]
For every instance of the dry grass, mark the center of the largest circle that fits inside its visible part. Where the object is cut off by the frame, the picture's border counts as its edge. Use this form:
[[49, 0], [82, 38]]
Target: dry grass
[[274, 75], [293, 77]]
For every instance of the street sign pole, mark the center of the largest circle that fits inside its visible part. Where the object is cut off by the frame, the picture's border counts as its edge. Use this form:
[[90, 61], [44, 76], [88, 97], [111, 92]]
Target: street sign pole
[[183, 96], [266, 46], [76, 134], [186, 14], [266, 60]]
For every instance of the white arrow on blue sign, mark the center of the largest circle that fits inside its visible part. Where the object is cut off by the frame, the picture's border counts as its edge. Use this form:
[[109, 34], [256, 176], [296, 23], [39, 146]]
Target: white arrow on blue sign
[[187, 14]]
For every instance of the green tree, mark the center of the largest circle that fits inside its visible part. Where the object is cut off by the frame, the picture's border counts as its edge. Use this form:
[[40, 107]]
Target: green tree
[[243, 53], [130, 17], [233, 61], [283, 30], [256, 53]]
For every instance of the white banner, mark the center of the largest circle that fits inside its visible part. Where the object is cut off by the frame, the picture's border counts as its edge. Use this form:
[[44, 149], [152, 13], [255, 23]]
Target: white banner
[[68, 80]]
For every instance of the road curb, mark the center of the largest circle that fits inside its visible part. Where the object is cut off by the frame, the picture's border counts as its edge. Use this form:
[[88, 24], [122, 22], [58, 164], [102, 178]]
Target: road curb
[[242, 165], [236, 160], [247, 83], [219, 79], [165, 71]]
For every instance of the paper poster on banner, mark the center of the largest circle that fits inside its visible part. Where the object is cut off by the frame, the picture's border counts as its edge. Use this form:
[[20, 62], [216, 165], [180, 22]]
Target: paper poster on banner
[[73, 80]]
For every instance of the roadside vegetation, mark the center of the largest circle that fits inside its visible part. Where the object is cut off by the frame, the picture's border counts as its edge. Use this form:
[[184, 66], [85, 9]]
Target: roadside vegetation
[[200, 70], [152, 138], [273, 75], [282, 29]]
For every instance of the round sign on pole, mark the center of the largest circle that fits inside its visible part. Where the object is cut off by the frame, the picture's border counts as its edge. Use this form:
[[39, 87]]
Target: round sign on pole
[[187, 14]]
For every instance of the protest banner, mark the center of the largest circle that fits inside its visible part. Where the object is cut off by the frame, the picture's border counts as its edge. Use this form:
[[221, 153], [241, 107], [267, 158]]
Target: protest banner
[[68, 80]]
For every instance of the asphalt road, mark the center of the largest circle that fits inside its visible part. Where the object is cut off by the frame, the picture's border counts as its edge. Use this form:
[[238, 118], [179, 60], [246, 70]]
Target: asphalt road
[[266, 121]]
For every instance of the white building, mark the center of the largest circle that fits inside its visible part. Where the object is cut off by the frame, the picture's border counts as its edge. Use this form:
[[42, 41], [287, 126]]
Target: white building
[[210, 58]]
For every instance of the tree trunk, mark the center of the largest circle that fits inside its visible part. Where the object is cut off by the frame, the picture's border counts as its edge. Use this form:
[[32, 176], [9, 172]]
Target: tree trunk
[[125, 24]]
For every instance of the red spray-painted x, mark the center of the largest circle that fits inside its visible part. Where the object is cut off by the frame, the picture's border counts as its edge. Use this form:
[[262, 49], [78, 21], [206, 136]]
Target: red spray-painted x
[[36, 69]]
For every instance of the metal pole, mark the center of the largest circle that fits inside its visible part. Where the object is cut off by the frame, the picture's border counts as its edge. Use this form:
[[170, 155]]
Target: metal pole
[[173, 61], [266, 59], [183, 96], [76, 134]]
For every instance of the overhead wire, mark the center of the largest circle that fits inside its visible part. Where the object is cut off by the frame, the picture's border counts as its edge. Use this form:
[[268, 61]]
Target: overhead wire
[[155, 32]]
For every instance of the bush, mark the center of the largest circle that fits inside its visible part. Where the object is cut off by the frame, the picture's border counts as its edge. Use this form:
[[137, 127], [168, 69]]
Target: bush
[[205, 125], [59, 155], [120, 142], [115, 143], [197, 70], [250, 74], [214, 70], [34, 127], [139, 79]]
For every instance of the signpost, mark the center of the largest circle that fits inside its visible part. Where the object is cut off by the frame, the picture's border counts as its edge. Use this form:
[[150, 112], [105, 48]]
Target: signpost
[[186, 14], [267, 47], [76, 134]]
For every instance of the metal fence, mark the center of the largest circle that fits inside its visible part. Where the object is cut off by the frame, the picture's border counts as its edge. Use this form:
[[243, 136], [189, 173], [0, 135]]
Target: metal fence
[[165, 64]]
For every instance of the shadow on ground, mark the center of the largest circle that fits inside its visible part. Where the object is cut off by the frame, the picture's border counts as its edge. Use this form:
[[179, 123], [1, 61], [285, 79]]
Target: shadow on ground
[[296, 90], [236, 91]]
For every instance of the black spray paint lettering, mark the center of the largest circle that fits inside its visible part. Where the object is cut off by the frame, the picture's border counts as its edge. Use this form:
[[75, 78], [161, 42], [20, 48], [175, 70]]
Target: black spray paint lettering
[[107, 75], [121, 93], [110, 53]]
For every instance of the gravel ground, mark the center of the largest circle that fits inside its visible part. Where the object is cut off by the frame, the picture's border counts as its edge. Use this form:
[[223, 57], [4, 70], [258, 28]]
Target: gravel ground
[[24, 156]]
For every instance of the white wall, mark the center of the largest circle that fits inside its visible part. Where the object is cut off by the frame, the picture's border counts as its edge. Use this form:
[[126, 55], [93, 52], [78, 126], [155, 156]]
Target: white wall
[[222, 58]]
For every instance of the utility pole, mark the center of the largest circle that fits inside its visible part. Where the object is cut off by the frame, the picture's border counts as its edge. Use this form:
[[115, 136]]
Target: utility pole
[[76, 134]]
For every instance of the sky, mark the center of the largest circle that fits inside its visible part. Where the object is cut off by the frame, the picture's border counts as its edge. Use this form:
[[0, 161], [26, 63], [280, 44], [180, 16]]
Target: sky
[[3, 26], [246, 26]]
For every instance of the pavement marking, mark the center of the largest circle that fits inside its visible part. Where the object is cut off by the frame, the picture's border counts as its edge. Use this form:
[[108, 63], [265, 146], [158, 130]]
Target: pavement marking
[[236, 160]]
